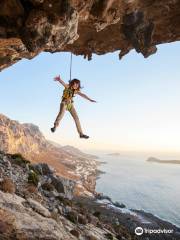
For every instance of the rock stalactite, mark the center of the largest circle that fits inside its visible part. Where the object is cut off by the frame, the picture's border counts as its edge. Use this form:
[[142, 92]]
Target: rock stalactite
[[28, 27]]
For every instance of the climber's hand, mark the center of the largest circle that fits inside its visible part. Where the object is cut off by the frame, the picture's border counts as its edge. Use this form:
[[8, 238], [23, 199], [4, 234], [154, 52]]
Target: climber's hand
[[57, 78]]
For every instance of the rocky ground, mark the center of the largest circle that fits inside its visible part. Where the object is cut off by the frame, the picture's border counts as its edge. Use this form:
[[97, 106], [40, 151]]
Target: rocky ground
[[35, 203], [28, 27]]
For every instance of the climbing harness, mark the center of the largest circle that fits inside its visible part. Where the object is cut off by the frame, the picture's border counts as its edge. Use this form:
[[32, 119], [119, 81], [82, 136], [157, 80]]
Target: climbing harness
[[68, 94]]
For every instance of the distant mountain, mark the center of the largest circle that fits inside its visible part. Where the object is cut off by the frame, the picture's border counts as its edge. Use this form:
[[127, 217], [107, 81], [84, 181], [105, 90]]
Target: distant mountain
[[68, 161], [114, 154], [77, 152], [153, 159], [55, 144]]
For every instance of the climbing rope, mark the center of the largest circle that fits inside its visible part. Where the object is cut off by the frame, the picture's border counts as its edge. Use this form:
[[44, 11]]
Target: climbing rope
[[70, 70]]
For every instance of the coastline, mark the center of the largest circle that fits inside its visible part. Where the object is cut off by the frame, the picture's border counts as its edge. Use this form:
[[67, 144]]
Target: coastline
[[140, 213], [130, 219], [141, 216]]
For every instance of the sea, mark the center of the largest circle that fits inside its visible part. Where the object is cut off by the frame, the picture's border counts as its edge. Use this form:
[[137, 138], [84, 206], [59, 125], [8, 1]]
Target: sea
[[153, 187]]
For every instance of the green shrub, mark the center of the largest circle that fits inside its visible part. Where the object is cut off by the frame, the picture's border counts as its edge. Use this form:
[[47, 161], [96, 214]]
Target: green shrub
[[34, 169], [18, 159], [33, 178]]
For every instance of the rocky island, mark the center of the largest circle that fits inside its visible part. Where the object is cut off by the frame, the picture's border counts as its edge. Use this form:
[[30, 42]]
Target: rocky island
[[116, 154], [156, 160]]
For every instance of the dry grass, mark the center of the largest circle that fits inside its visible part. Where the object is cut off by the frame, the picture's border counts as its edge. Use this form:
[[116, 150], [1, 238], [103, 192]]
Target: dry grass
[[7, 185]]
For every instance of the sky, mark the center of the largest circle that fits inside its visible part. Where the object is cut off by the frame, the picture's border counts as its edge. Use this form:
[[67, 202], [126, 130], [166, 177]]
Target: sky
[[137, 105]]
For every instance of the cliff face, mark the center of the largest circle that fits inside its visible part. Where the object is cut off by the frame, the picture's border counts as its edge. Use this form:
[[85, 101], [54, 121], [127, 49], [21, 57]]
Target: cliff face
[[28, 27], [68, 161]]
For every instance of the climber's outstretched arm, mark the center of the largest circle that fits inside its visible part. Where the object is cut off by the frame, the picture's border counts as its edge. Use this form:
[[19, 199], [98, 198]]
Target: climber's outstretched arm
[[58, 79], [85, 96]]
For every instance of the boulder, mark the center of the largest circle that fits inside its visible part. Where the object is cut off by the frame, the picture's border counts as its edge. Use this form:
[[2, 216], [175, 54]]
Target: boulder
[[82, 219], [43, 168], [63, 186], [75, 233], [18, 222], [119, 205], [57, 183], [37, 207]]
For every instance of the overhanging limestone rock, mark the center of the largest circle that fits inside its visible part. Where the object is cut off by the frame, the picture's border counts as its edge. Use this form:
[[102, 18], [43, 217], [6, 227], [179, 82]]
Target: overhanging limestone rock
[[28, 27]]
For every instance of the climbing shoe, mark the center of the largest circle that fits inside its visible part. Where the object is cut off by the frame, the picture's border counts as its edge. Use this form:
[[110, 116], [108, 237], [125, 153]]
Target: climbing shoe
[[53, 129], [84, 136]]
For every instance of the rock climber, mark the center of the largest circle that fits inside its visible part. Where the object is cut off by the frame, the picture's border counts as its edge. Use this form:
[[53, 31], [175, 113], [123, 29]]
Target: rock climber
[[70, 90]]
